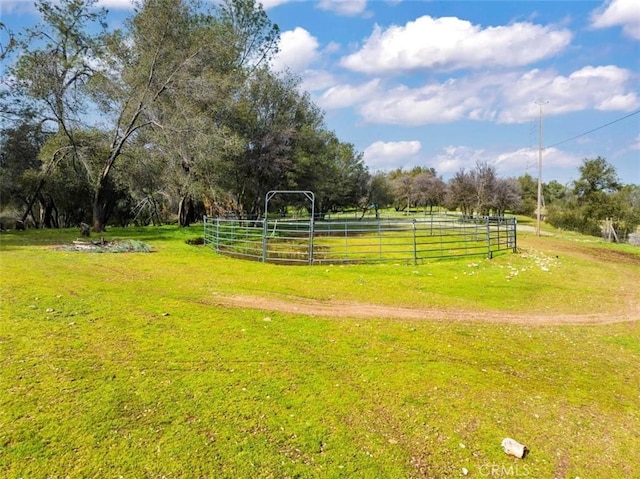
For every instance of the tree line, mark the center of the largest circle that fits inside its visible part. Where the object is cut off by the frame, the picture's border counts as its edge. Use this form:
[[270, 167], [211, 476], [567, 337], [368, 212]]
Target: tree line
[[177, 114]]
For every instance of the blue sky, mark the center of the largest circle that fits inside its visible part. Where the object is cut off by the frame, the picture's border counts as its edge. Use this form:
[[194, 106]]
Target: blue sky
[[445, 84]]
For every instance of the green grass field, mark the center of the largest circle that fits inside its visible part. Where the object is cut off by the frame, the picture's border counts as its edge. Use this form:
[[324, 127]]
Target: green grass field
[[137, 365]]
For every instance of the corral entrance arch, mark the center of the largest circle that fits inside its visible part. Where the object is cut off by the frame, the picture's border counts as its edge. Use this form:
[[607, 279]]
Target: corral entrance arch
[[265, 235]]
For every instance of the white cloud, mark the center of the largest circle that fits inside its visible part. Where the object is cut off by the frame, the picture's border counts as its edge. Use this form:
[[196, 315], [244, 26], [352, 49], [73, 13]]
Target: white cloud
[[314, 80], [625, 13], [619, 102], [21, 6], [504, 98], [382, 154], [433, 103], [343, 96], [344, 7], [528, 158], [17, 6], [332, 47], [298, 49], [509, 163], [449, 43], [555, 158], [267, 4], [116, 4], [601, 88], [453, 158]]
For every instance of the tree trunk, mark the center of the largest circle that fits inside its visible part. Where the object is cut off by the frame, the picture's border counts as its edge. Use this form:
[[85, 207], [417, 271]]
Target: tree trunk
[[47, 209], [184, 210], [100, 210], [30, 203]]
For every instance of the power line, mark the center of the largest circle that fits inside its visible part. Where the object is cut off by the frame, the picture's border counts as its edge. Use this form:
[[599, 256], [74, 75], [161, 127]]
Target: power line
[[595, 129]]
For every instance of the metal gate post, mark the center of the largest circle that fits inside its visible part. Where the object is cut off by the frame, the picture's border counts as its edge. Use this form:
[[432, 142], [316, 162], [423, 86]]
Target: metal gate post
[[489, 253], [265, 228], [204, 228], [415, 245], [312, 198]]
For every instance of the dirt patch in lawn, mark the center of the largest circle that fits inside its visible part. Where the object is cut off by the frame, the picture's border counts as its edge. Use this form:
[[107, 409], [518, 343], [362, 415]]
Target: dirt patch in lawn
[[102, 246], [585, 251], [344, 309]]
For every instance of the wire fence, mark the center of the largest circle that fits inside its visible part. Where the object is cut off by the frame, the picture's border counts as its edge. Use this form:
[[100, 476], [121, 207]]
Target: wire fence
[[288, 241]]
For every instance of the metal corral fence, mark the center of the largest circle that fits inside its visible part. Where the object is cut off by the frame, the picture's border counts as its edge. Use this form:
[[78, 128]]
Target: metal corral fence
[[289, 241]]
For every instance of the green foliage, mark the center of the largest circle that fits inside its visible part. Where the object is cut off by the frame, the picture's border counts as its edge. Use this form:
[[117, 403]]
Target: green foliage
[[597, 196], [53, 66], [624, 207], [529, 198], [20, 146], [596, 176], [380, 193], [554, 191], [252, 36], [571, 219], [461, 192]]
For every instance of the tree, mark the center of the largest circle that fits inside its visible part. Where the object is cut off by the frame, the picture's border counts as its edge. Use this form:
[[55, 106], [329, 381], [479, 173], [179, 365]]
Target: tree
[[253, 38], [596, 175], [20, 166], [190, 117], [266, 118], [484, 178], [507, 195], [403, 189], [598, 179], [347, 183], [54, 68], [462, 192], [474, 190], [379, 192], [7, 42], [145, 178], [204, 125], [529, 201], [554, 191], [149, 58], [66, 180], [11, 109], [596, 197], [334, 170], [430, 189], [627, 207]]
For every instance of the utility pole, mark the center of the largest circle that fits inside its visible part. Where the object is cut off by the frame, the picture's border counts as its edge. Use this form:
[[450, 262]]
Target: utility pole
[[540, 102]]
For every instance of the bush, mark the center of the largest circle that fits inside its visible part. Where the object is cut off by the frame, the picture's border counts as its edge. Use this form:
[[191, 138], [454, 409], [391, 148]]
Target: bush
[[573, 219]]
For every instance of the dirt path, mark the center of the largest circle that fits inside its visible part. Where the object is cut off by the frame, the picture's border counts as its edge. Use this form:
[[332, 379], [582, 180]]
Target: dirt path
[[342, 309]]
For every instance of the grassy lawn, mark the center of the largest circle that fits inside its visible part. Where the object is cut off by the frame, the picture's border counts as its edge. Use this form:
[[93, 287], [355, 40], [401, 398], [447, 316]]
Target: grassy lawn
[[126, 365]]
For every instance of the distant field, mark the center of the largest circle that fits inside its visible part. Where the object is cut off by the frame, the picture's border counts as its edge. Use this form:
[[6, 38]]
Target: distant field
[[182, 363]]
